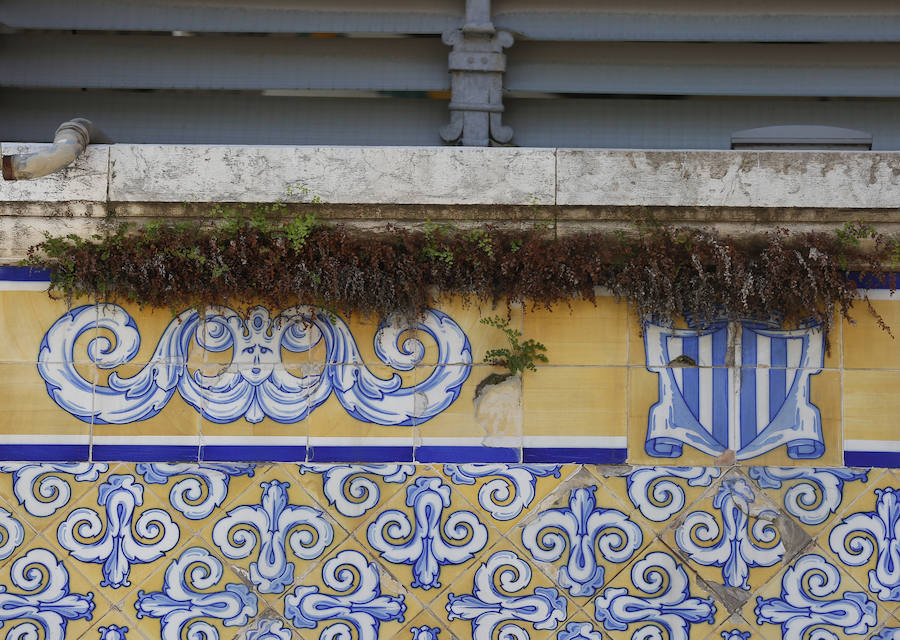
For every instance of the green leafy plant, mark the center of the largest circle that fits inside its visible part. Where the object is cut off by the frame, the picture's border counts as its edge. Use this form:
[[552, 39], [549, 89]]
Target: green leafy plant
[[518, 356]]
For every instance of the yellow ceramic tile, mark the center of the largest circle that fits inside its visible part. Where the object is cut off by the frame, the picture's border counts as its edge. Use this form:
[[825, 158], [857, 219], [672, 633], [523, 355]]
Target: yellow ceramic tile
[[582, 333], [482, 337], [30, 410], [507, 570], [425, 624], [604, 541], [354, 566], [352, 492], [658, 495], [25, 316], [497, 424], [331, 424], [652, 573], [871, 405], [576, 401], [42, 569], [205, 575], [868, 346], [125, 624], [151, 323], [711, 547], [464, 532], [825, 394], [506, 494], [855, 540], [42, 494], [15, 530], [194, 494], [813, 496], [810, 570], [177, 420], [734, 628], [301, 526], [86, 532]]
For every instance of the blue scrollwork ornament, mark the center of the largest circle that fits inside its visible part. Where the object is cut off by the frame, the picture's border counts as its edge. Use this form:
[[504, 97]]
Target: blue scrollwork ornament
[[359, 605], [46, 600], [428, 540], [186, 598], [511, 489], [205, 487], [255, 385], [42, 488], [865, 534], [669, 606], [493, 606], [815, 493], [804, 609], [735, 545], [274, 525], [348, 487], [119, 543], [588, 530], [655, 492]]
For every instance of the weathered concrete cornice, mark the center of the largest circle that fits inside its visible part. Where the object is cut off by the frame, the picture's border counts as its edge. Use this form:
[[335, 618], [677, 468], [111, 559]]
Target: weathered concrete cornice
[[572, 188], [465, 176]]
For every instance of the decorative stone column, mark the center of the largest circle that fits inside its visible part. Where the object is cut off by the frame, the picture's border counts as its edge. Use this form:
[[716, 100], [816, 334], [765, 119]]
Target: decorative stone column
[[476, 66]]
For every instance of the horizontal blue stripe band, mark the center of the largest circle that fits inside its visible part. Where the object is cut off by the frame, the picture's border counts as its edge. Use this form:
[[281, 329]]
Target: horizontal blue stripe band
[[466, 454], [24, 274], [586, 455], [261, 453], [872, 459], [868, 281], [45, 452], [360, 454], [144, 453]]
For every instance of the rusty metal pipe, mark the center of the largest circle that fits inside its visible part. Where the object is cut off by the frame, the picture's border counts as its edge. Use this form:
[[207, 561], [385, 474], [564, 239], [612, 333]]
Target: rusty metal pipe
[[69, 142]]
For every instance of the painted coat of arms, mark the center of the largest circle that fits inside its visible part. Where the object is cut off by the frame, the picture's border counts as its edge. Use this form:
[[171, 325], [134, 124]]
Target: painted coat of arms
[[738, 386]]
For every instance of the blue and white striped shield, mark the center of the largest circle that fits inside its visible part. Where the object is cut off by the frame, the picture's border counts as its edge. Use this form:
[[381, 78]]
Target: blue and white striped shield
[[742, 387]]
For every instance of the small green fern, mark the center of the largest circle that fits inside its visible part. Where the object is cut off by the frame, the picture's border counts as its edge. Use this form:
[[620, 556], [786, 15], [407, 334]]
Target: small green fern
[[519, 355]]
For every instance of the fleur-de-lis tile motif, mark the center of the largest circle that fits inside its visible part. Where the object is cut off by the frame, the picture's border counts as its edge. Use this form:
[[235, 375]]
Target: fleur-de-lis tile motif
[[817, 494], [277, 525], [657, 496], [12, 534], [579, 631], [511, 490], [40, 487], [185, 598], [851, 544], [588, 529], [735, 634], [120, 545], [349, 490], [112, 632], [204, 488], [492, 603], [888, 633], [425, 632], [430, 544], [269, 629], [733, 545], [359, 602], [802, 607], [47, 600], [669, 605]]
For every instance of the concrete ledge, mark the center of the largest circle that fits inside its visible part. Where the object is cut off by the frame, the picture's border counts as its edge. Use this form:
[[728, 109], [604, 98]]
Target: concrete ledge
[[456, 176]]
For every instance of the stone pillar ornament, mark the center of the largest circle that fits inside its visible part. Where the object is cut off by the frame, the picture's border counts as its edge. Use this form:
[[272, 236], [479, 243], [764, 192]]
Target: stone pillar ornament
[[476, 82]]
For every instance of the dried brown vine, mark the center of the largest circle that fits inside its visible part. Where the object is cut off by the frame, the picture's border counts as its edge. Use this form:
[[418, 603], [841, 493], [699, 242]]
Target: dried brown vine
[[664, 272]]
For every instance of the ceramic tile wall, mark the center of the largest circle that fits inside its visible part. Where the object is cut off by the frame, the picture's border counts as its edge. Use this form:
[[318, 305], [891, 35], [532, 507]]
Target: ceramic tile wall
[[113, 383], [433, 552]]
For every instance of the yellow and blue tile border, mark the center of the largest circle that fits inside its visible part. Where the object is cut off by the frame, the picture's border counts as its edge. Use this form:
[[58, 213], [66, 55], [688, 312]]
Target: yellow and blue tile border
[[109, 382], [287, 475], [124, 551]]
